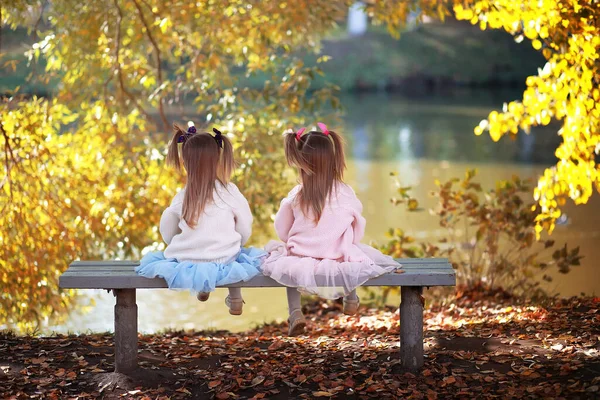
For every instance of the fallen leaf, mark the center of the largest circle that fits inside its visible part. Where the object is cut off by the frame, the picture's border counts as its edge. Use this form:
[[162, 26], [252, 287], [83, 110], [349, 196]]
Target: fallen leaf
[[257, 381], [322, 394], [449, 380], [213, 384], [276, 345]]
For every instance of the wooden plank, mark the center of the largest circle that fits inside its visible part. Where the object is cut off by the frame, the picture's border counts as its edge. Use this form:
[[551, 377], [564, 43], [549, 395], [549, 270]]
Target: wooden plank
[[128, 280], [105, 282], [80, 268], [131, 272], [404, 261], [123, 262], [102, 268], [103, 262]]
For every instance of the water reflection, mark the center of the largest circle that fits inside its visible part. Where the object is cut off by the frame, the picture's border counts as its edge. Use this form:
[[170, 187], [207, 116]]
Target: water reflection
[[439, 128], [423, 139]]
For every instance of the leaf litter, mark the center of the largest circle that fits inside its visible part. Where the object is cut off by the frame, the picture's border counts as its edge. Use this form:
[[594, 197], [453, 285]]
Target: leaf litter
[[479, 346]]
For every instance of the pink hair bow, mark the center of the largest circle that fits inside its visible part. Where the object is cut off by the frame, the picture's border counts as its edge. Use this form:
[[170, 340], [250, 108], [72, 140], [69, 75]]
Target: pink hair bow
[[323, 128], [299, 133]]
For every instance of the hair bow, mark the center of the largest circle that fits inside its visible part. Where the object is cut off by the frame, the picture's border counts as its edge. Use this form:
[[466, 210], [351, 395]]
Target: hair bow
[[190, 132], [218, 137], [299, 133], [323, 128]]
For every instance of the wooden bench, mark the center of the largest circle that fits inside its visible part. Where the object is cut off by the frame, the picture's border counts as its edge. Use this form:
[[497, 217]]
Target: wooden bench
[[120, 277]]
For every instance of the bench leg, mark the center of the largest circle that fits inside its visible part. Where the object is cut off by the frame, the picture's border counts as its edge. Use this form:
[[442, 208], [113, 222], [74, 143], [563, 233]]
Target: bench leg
[[126, 330], [411, 327]]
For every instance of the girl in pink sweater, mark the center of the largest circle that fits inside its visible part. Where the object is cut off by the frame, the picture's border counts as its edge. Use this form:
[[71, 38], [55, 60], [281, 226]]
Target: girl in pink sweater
[[321, 226]]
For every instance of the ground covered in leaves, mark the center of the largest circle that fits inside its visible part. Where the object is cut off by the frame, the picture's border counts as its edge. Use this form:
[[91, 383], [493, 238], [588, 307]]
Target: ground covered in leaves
[[484, 347]]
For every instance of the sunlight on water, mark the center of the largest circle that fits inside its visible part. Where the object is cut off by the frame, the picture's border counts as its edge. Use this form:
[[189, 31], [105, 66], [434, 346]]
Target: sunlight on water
[[421, 139]]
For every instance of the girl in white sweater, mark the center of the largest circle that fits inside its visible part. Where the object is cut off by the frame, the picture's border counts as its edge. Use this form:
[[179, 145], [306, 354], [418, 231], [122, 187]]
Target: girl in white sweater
[[206, 224]]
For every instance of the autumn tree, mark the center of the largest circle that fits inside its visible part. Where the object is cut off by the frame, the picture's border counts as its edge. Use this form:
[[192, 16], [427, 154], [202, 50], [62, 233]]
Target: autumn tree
[[567, 89]]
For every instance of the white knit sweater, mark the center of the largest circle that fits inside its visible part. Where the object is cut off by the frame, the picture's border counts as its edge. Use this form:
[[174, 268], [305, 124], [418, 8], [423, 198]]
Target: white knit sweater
[[224, 226]]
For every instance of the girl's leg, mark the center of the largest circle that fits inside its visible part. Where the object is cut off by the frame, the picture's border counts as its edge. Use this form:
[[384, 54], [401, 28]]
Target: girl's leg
[[235, 293], [351, 303], [234, 301], [296, 319], [293, 297], [352, 295]]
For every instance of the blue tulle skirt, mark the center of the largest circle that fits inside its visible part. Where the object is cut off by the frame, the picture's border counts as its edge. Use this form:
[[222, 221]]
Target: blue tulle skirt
[[201, 277]]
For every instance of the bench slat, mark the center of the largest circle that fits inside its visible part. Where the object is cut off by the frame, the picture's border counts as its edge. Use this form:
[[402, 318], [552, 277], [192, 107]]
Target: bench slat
[[93, 267], [403, 261], [105, 262], [131, 268], [128, 279], [131, 271]]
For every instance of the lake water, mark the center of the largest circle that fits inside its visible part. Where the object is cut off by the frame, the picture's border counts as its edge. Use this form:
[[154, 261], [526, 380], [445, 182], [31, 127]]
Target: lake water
[[421, 138]]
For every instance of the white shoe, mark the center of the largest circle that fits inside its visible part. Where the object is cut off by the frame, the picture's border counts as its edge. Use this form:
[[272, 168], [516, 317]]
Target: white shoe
[[351, 306], [297, 323], [235, 305], [203, 296]]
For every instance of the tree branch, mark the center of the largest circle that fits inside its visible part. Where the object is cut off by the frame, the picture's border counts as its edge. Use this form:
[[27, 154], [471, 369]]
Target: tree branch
[[118, 66], [0, 32], [8, 155], [158, 63]]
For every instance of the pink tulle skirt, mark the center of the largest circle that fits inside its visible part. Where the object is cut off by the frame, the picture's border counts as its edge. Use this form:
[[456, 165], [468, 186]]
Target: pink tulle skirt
[[329, 279]]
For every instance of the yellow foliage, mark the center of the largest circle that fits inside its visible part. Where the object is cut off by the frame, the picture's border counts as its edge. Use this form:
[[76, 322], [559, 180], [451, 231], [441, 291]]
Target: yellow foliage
[[70, 196], [566, 89]]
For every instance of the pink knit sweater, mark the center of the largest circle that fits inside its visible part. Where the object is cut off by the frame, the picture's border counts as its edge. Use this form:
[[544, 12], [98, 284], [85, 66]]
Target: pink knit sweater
[[334, 237]]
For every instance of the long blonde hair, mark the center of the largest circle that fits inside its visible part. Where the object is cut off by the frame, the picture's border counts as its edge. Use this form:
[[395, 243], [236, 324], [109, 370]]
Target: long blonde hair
[[320, 158], [207, 159]]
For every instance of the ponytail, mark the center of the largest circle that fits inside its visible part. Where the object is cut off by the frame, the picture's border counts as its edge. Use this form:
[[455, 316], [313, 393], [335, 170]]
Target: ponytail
[[226, 161], [293, 153], [339, 158], [173, 158]]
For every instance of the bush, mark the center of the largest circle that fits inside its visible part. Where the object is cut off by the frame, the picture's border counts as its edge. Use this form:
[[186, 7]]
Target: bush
[[490, 237]]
